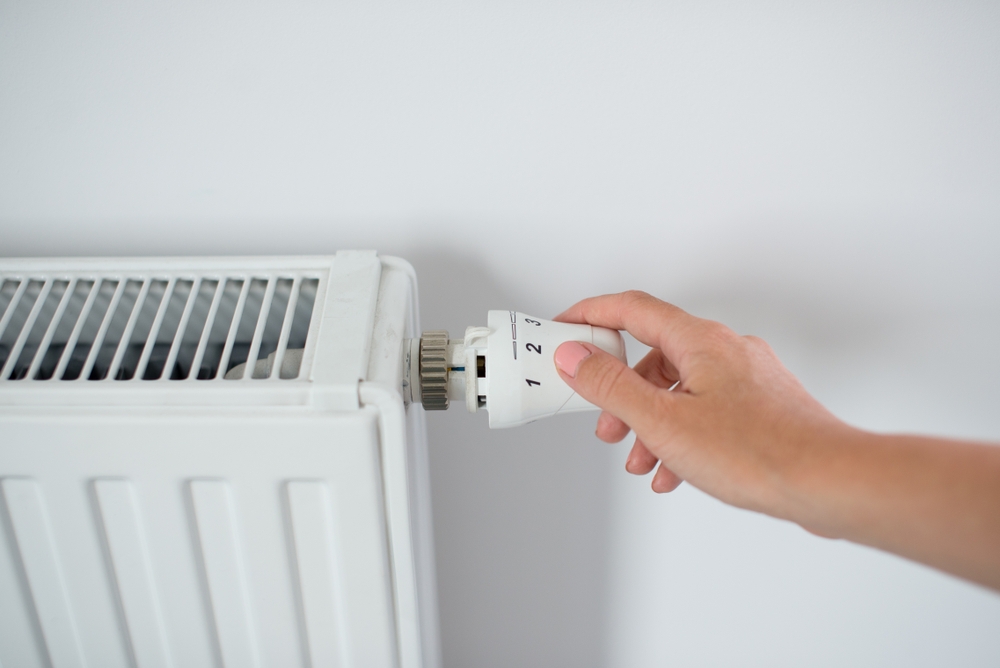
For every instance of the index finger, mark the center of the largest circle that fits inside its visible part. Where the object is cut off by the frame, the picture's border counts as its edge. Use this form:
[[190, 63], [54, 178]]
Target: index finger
[[652, 321]]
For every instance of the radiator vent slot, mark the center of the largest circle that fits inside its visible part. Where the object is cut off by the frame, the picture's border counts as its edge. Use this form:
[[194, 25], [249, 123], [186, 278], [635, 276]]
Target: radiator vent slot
[[155, 327]]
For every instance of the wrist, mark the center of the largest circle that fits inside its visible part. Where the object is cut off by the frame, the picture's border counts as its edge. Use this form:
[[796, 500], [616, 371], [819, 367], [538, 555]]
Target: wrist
[[822, 461]]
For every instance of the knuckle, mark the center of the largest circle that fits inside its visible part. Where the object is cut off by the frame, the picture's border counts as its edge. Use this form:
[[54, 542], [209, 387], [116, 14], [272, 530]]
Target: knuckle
[[717, 332], [636, 295], [714, 338], [608, 379], [755, 342], [716, 345], [756, 348], [633, 300]]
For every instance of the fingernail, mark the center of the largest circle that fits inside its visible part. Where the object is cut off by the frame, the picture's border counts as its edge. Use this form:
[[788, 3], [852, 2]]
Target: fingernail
[[568, 357]]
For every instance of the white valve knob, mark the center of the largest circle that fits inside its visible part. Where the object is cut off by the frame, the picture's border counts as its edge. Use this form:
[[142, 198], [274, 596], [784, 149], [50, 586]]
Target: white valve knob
[[522, 384], [506, 368]]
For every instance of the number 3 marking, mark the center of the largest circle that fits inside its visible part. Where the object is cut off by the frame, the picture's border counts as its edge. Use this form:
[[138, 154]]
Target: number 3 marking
[[533, 322]]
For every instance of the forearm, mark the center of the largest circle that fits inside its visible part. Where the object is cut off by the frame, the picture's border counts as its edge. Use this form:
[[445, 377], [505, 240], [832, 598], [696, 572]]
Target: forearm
[[935, 501]]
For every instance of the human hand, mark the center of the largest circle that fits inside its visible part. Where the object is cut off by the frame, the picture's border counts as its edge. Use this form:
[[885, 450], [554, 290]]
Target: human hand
[[740, 427], [737, 423]]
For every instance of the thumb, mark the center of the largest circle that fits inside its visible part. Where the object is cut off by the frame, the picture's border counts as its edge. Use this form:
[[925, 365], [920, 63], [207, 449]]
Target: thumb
[[606, 381]]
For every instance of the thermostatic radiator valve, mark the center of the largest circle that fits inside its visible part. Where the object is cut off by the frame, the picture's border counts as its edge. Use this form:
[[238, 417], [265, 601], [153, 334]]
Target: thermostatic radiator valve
[[506, 367]]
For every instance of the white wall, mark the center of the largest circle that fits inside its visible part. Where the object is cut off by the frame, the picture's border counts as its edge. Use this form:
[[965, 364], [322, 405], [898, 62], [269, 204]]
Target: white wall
[[826, 176]]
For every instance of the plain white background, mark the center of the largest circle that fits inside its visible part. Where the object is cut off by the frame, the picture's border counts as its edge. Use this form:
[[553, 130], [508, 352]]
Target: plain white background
[[824, 175]]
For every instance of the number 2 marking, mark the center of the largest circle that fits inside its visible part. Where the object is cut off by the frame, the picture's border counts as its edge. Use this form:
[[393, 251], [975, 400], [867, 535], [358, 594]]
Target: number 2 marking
[[533, 348], [531, 382]]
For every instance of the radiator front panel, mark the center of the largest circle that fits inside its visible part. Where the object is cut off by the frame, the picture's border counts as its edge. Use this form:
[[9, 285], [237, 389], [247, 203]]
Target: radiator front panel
[[193, 540]]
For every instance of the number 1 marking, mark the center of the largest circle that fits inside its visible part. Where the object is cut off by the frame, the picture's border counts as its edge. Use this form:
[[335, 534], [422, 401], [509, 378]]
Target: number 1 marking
[[531, 382]]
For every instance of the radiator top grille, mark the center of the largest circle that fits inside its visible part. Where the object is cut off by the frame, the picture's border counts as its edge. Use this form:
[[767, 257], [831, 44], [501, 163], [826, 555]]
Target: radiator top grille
[[155, 326]]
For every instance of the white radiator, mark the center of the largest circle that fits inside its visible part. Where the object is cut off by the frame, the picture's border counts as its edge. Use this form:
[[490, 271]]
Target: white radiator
[[208, 462]]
